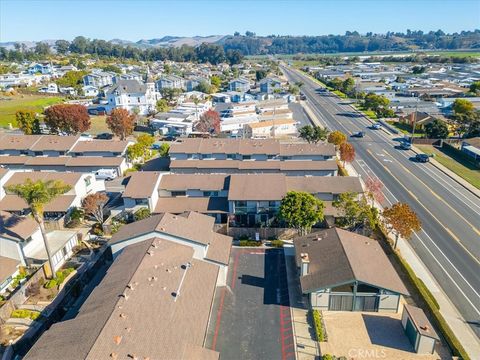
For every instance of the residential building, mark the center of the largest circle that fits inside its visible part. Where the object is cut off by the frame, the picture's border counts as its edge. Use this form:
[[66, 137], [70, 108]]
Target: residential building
[[90, 91], [44, 69], [21, 241], [133, 95], [270, 85], [420, 119], [344, 271], [99, 79], [104, 148], [170, 82], [142, 191], [277, 128], [155, 300], [81, 185], [471, 147], [239, 84]]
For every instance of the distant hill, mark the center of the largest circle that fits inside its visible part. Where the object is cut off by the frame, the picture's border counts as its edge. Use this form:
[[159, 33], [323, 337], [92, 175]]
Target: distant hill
[[250, 44]]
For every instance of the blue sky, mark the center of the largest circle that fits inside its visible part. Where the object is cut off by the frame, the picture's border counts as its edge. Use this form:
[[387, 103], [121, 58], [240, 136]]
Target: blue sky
[[146, 19]]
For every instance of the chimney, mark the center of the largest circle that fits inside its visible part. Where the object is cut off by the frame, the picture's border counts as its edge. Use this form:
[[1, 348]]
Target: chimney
[[305, 264]]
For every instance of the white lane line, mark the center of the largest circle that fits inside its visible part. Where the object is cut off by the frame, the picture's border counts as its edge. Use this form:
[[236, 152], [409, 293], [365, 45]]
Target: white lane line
[[475, 308]]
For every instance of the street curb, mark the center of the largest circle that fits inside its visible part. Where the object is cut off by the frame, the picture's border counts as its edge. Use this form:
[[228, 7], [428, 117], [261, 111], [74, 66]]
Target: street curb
[[450, 174]]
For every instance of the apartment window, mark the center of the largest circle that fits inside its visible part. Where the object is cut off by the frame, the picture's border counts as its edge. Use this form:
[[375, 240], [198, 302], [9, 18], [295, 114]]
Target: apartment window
[[231, 156], [38, 153], [205, 156], [141, 201], [270, 157], [179, 193], [246, 157], [210, 193]]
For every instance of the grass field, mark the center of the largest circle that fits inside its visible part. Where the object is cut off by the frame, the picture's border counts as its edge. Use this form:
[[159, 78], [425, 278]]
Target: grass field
[[98, 125], [9, 105], [465, 169]]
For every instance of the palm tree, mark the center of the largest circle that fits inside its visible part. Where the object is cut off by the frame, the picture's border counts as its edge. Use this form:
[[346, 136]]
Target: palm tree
[[37, 194]]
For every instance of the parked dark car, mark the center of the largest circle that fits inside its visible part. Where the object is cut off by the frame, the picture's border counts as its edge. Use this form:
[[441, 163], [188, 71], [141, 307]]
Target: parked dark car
[[104, 136], [359, 134], [423, 158]]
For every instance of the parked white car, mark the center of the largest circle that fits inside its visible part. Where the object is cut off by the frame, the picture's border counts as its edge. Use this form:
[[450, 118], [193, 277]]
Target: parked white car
[[105, 174]]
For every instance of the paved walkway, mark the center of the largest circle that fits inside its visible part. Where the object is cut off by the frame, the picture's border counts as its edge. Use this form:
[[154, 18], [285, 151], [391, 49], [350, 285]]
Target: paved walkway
[[306, 348]]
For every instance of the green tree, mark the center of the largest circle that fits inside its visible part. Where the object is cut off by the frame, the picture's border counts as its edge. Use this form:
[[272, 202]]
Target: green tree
[[164, 149], [293, 89], [301, 210], [355, 212], [205, 87], [135, 152], [462, 106], [37, 194], [112, 68], [475, 87], [261, 74], [377, 103], [72, 79], [162, 106], [170, 94], [27, 122], [145, 140], [337, 138], [313, 134], [216, 81], [436, 129], [62, 46]]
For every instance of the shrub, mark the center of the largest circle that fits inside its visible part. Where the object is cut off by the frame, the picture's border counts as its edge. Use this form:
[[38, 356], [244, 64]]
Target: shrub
[[25, 314], [250, 243], [277, 243], [327, 357], [141, 214], [244, 237], [317, 321], [97, 229], [50, 284]]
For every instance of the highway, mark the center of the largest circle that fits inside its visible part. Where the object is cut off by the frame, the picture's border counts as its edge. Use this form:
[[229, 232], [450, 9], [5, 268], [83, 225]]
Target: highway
[[449, 242]]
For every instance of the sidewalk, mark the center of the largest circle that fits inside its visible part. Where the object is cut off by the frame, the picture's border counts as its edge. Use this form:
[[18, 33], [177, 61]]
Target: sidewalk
[[454, 319], [306, 347]]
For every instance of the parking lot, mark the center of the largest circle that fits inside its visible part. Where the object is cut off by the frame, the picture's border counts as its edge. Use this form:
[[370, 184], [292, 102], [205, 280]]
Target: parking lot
[[251, 315]]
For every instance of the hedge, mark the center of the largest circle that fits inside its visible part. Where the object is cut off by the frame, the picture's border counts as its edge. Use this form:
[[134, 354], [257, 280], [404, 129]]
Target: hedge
[[432, 305], [317, 322], [276, 243], [250, 243], [25, 314]]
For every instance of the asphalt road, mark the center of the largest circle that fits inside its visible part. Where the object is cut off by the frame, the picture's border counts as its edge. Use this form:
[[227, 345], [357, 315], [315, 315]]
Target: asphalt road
[[251, 316], [449, 243]]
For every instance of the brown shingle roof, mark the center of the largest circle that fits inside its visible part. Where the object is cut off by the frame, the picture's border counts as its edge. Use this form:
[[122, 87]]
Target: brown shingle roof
[[100, 146], [15, 203], [87, 161], [219, 248], [16, 227], [275, 186], [164, 326], [190, 226], [421, 322], [307, 149], [54, 143], [338, 256], [207, 182], [257, 187], [20, 177], [290, 165], [7, 267], [142, 184], [18, 142]]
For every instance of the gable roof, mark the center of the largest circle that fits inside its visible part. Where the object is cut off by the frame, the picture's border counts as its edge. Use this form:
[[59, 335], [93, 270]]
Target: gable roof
[[338, 256], [190, 226], [170, 323], [128, 87], [15, 227], [142, 184], [95, 145]]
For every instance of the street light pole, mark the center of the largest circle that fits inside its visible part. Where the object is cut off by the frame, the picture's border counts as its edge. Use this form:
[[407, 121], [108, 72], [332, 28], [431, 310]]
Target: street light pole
[[414, 121]]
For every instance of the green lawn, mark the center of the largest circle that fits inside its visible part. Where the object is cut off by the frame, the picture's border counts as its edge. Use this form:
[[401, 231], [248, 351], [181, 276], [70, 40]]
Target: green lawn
[[406, 129], [98, 125], [9, 105], [368, 113], [454, 162]]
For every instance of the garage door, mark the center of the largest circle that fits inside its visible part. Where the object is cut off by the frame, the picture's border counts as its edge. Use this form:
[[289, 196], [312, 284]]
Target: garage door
[[341, 303], [411, 332]]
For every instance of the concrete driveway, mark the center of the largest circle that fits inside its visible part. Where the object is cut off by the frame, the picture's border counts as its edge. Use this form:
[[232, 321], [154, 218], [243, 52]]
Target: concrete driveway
[[362, 335], [251, 316]]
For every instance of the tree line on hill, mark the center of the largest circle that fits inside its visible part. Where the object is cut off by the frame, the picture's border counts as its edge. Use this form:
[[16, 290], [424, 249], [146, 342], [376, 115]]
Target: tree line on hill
[[233, 48]]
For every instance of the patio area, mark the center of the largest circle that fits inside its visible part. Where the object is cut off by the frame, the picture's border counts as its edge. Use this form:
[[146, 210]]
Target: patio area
[[366, 335]]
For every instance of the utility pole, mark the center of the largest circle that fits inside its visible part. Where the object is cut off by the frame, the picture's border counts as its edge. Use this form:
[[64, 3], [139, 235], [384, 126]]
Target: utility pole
[[414, 121]]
